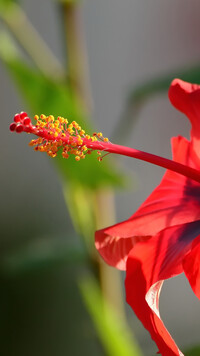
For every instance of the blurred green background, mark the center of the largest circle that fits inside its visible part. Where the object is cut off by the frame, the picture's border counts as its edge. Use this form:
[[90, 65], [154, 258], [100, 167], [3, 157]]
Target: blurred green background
[[106, 64]]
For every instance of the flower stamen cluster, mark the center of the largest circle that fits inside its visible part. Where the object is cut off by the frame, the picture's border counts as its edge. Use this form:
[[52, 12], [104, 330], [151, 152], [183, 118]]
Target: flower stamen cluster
[[57, 134]]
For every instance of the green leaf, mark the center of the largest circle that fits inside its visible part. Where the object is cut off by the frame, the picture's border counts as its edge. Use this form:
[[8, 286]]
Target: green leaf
[[113, 332]]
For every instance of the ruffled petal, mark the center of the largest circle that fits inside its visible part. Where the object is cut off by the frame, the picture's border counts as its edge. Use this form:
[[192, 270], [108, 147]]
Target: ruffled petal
[[186, 98], [191, 266], [148, 264], [175, 201]]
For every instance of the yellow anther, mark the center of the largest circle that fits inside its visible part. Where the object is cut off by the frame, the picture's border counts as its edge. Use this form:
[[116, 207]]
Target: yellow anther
[[65, 155], [41, 148], [75, 125], [84, 148], [59, 143], [51, 117], [70, 130], [99, 134], [106, 139], [74, 144], [81, 155], [43, 117], [56, 134], [73, 151], [77, 158], [82, 132], [39, 122], [61, 119], [63, 134], [36, 117], [33, 143], [87, 136]]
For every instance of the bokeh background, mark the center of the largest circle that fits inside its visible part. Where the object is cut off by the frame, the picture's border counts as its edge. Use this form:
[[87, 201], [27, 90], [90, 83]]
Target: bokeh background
[[128, 43]]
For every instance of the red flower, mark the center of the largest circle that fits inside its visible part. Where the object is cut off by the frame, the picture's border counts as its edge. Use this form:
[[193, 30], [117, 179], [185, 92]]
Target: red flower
[[162, 239]]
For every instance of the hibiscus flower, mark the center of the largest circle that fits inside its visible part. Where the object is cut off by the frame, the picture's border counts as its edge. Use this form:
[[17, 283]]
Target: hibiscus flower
[[162, 238]]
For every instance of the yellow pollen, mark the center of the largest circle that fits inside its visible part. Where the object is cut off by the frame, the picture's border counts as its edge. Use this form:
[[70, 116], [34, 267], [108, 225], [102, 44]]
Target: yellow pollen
[[74, 144], [32, 142], [43, 117], [56, 134], [80, 142]]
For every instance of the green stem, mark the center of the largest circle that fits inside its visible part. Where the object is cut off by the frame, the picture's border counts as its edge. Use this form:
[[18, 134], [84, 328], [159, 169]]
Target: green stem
[[77, 62]]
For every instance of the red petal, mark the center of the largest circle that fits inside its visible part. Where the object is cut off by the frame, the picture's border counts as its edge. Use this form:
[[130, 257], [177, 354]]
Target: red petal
[[148, 264], [186, 98], [191, 266], [175, 201]]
